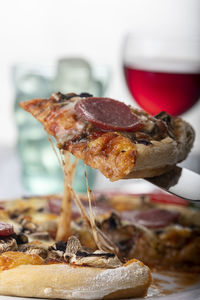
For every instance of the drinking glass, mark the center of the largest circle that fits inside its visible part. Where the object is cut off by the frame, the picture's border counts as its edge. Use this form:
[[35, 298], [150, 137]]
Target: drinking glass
[[41, 173], [162, 73]]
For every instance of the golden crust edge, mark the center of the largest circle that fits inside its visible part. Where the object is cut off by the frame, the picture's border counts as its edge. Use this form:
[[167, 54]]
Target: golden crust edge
[[64, 282], [164, 154]]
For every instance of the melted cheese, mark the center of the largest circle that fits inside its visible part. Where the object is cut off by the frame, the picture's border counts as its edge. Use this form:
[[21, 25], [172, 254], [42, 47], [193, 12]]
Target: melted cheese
[[9, 260], [64, 230]]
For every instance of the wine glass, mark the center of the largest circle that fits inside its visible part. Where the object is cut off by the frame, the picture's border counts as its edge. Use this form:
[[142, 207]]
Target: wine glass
[[162, 73]]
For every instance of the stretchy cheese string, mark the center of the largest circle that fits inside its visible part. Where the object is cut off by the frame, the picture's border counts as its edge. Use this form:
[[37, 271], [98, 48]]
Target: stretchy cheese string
[[59, 158], [73, 169], [80, 206], [64, 228], [91, 215], [64, 224], [103, 243], [63, 231]]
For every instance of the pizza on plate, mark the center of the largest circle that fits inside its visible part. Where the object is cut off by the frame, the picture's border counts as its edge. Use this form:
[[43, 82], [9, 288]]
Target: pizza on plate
[[118, 140]]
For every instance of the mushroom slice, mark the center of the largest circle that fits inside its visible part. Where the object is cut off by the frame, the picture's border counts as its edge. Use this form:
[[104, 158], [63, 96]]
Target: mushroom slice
[[8, 244]]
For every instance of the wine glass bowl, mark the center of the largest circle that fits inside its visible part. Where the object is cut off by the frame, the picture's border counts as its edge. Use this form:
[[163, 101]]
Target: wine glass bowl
[[162, 73]]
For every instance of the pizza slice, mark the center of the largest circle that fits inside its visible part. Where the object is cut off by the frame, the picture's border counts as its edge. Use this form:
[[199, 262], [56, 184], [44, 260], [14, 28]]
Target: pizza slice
[[118, 140]]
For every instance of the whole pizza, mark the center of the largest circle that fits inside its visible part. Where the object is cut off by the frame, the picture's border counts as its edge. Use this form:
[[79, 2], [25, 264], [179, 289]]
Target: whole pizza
[[100, 246], [142, 228]]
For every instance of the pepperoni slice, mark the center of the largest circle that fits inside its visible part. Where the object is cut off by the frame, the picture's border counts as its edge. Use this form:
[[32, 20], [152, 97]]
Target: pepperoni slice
[[54, 206], [108, 114], [6, 229], [152, 218], [168, 199]]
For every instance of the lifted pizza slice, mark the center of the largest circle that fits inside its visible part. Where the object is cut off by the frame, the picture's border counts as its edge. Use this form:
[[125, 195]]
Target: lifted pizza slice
[[118, 140]]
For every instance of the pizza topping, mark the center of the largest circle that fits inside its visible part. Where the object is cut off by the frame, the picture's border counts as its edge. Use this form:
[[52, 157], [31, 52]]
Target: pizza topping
[[144, 142], [176, 236], [167, 199], [59, 97], [32, 249], [152, 218], [2, 206], [6, 229], [50, 226], [57, 250], [73, 246], [76, 254], [61, 246], [97, 259], [63, 97], [20, 238], [54, 255], [168, 121], [11, 259], [85, 95], [54, 206], [8, 244], [41, 235], [108, 114], [28, 226], [123, 235], [164, 117]]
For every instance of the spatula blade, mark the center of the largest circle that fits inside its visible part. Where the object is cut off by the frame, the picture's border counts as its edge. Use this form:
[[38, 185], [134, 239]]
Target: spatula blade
[[181, 182]]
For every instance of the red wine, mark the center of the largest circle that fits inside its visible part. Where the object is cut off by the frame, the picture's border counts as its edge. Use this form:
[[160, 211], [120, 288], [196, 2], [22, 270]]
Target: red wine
[[174, 93]]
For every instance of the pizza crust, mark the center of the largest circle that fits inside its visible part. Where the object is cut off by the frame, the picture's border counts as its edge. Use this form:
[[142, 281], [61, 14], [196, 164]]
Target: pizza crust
[[162, 156], [74, 282]]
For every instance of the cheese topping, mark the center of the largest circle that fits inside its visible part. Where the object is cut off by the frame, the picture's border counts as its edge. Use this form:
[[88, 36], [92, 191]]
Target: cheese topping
[[9, 260]]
